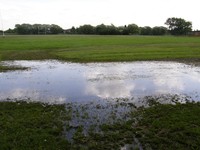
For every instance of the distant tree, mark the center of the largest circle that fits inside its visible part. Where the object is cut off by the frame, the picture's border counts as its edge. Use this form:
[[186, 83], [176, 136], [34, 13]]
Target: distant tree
[[101, 29], [86, 29], [159, 30], [10, 31], [73, 30], [23, 28], [125, 30], [38, 29], [146, 30], [112, 30], [54, 29], [120, 30], [178, 26], [133, 29], [107, 30]]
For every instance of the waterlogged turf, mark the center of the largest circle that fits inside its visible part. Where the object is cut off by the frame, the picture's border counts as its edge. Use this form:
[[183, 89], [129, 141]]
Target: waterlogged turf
[[31, 126], [82, 48], [43, 126], [169, 126], [6, 68]]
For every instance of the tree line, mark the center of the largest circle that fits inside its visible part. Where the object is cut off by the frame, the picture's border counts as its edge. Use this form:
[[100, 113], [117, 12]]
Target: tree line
[[131, 29], [176, 26], [36, 29]]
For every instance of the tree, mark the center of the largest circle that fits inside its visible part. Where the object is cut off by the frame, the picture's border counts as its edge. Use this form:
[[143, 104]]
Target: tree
[[73, 30], [86, 29], [124, 30], [133, 29], [112, 30], [101, 29], [159, 30], [146, 30], [54, 29], [23, 28], [178, 26], [10, 31], [38, 29]]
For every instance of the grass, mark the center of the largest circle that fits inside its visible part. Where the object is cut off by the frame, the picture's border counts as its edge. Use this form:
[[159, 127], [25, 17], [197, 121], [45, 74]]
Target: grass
[[10, 68], [31, 126], [170, 126], [41, 126], [82, 48], [163, 127]]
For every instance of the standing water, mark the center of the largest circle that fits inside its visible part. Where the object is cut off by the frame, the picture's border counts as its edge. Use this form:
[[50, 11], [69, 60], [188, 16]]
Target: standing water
[[62, 82], [100, 93]]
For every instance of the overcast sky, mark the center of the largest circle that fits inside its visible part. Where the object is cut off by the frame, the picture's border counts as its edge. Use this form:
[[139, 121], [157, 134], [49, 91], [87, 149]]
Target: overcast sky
[[68, 13]]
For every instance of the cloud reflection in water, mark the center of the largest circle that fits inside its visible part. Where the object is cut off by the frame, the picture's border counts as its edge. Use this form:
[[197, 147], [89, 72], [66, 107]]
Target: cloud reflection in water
[[57, 81]]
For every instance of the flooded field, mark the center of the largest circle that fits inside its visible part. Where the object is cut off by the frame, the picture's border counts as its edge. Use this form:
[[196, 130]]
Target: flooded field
[[61, 82], [100, 94]]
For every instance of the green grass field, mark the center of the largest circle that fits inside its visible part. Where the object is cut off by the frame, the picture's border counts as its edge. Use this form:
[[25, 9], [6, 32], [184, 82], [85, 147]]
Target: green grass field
[[82, 48], [41, 126], [25, 126]]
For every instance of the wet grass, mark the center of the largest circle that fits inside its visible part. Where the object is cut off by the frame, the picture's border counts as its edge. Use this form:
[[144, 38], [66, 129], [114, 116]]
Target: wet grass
[[31, 126], [11, 68], [162, 126], [169, 126], [42, 126], [81, 48]]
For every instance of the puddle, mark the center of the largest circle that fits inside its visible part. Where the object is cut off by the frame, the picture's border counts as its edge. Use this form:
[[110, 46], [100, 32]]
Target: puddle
[[100, 93], [61, 82]]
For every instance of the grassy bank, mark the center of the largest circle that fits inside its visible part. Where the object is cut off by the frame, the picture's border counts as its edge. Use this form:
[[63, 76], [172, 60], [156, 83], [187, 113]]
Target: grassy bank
[[81, 48], [41, 126]]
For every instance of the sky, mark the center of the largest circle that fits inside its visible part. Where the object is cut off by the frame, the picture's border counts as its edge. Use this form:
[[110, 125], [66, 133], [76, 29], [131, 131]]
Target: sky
[[68, 13]]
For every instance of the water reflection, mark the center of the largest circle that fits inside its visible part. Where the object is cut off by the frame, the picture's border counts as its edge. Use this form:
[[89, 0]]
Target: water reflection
[[55, 81], [110, 89]]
